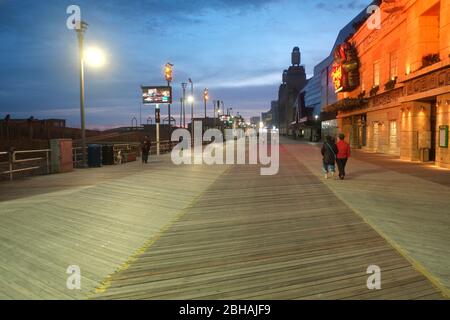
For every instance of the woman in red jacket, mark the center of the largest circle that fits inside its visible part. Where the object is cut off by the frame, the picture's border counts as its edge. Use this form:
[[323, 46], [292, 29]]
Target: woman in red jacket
[[343, 155]]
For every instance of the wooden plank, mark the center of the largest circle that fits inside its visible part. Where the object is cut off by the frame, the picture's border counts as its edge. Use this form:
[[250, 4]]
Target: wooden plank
[[280, 237], [94, 218]]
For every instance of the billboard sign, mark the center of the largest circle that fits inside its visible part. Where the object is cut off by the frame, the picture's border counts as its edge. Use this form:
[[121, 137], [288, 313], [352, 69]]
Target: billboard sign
[[345, 68], [156, 95]]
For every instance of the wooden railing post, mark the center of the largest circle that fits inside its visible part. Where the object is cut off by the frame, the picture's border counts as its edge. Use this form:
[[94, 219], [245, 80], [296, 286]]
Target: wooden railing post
[[47, 160], [11, 157]]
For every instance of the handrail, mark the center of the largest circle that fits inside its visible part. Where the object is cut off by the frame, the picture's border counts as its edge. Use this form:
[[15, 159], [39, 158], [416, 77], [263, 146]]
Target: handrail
[[29, 151], [13, 160]]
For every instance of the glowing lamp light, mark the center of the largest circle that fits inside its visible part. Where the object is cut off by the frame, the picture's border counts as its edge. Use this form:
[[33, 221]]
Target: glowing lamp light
[[408, 70], [190, 99], [94, 57]]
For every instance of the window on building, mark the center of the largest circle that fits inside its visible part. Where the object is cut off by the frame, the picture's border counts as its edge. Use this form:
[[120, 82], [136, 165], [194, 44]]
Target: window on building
[[376, 73], [393, 65]]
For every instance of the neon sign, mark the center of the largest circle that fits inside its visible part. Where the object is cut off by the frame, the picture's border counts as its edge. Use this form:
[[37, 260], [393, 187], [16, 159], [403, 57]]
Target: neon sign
[[345, 69]]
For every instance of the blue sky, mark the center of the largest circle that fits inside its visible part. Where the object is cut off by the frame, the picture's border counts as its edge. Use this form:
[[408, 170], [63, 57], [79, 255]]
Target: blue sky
[[236, 48]]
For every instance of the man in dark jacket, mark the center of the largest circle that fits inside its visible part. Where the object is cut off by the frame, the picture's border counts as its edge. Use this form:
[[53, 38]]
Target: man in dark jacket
[[329, 152], [145, 148]]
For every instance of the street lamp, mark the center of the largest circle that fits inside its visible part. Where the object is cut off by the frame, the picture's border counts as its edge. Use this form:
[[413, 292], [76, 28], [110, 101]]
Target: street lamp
[[80, 30], [93, 57], [168, 71], [191, 101], [205, 98], [184, 86]]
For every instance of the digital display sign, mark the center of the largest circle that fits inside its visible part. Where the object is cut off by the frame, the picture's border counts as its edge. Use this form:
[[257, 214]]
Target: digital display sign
[[156, 95]]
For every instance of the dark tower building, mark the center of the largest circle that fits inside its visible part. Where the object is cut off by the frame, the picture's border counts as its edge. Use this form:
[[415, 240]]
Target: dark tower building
[[294, 80]]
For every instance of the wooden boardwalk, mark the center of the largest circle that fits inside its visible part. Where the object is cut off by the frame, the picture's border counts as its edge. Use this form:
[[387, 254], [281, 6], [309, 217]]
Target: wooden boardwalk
[[407, 203], [93, 218], [276, 237]]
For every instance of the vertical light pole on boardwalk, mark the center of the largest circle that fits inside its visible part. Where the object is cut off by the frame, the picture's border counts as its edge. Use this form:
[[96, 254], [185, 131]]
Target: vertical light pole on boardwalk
[[191, 100], [96, 59], [81, 29], [157, 120], [205, 99], [169, 77], [184, 86], [214, 113], [181, 111]]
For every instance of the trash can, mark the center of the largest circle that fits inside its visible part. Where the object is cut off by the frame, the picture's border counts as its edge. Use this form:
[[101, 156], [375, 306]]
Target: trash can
[[108, 155], [94, 155]]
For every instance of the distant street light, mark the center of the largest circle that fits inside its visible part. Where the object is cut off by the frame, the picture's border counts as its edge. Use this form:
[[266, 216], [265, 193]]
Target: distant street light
[[168, 72], [205, 99], [184, 86], [191, 101]]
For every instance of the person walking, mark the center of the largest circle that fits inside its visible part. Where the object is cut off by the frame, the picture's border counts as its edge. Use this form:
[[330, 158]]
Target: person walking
[[145, 149], [342, 155], [329, 152]]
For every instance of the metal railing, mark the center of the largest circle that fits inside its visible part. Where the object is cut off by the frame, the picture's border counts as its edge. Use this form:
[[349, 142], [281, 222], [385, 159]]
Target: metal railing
[[13, 160], [77, 156], [27, 160], [165, 146]]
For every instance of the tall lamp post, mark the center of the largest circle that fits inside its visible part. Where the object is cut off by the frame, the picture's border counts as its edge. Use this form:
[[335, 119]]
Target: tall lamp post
[[81, 29], [214, 114], [205, 99], [191, 98], [169, 77], [184, 86]]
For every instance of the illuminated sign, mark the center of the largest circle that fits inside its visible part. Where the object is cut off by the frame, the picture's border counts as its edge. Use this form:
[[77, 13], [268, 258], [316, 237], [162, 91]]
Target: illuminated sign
[[337, 77], [345, 69], [156, 95]]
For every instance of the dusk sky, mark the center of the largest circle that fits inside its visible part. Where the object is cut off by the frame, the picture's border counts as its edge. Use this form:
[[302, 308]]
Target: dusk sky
[[236, 48]]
